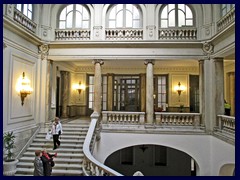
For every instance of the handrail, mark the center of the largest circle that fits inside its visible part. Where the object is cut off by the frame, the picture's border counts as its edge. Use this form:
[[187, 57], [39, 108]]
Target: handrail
[[28, 142], [226, 123], [90, 164]]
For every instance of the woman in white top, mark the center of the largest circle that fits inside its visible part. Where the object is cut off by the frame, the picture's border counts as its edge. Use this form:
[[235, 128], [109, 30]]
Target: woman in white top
[[56, 132]]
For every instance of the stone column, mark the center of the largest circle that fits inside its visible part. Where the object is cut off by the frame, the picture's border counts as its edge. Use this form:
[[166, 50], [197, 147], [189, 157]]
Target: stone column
[[49, 89], [201, 91], [143, 92], [43, 85], [219, 85], [64, 92], [232, 92], [97, 86], [149, 91], [110, 92]]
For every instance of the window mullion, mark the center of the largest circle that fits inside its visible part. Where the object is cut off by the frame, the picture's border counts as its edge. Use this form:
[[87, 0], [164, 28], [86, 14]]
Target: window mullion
[[124, 15], [176, 15], [74, 16]]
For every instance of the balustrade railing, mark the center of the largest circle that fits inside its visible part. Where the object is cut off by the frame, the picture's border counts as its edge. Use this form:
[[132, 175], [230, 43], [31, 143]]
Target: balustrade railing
[[226, 123], [226, 20], [178, 119], [183, 33], [124, 34], [72, 34], [117, 117], [92, 167], [24, 20]]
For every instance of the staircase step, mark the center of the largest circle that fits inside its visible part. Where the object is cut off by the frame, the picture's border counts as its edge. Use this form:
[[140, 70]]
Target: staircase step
[[70, 155], [55, 172], [67, 133], [64, 136], [62, 140], [57, 159], [50, 150], [63, 145], [58, 165]]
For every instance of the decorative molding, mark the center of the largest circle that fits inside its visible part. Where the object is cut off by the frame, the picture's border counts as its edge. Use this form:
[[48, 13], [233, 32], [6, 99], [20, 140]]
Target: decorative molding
[[4, 45], [208, 49], [151, 29], [43, 50]]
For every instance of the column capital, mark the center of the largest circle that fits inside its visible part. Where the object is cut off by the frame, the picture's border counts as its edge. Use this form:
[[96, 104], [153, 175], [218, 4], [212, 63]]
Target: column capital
[[100, 61], [152, 61], [43, 50]]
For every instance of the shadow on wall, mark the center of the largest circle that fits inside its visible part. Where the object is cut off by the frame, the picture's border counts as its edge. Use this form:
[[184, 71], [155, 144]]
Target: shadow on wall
[[227, 170]]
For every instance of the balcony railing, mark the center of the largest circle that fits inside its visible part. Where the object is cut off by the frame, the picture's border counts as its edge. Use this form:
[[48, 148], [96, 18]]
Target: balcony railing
[[116, 117], [124, 34], [178, 119], [226, 20], [24, 20], [92, 167], [72, 35], [226, 123], [183, 33]]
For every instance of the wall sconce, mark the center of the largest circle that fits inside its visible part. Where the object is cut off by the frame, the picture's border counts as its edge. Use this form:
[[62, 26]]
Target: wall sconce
[[143, 147], [179, 88], [23, 87], [79, 87]]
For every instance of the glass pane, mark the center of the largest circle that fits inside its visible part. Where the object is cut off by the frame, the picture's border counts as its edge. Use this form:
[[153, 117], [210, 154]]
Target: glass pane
[[29, 15], [63, 14], [85, 14], [62, 25], [120, 19], [135, 13], [104, 88], [91, 79], [129, 7], [171, 7], [189, 22], [19, 7], [90, 97], [91, 88], [128, 19], [164, 89], [79, 8], [111, 24], [85, 24], [164, 98], [136, 24], [181, 18], [104, 80], [182, 7], [69, 8], [30, 7], [105, 106], [164, 24], [188, 12], [119, 7], [164, 12], [159, 89], [90, 105], [78, 23], [159, 80], [69, 20], [172, 19], [112, 13], [104, 97], [25, 8], [163, 80]]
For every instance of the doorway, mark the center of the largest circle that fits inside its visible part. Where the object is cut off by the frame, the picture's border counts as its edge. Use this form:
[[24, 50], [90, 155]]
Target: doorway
[[194, 93]]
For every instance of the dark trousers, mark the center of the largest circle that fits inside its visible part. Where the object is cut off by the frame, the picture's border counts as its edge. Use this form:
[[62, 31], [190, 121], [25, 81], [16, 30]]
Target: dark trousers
[[56, 141]]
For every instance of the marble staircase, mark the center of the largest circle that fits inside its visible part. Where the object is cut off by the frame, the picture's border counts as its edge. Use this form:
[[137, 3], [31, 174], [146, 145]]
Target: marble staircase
[[70, 153]]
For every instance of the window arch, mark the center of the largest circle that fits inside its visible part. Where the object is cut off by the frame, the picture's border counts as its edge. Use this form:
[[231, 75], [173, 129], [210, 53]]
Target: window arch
[[176, 15], [26, 9], [74, 16], [225, 8], [124, 16]]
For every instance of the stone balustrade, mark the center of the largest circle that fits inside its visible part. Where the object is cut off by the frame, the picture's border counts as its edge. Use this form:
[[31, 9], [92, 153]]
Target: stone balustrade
[[117, 117], [226, 123], [72, 34], [92, 167], [177, 119], [24, 20], [123, 34], [183, 33], [226, 20]]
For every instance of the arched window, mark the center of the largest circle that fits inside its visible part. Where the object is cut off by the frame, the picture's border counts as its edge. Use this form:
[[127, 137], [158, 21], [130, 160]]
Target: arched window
[[124, 16], [74, 16], [176, 15], [225, 8], [26, 9]]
